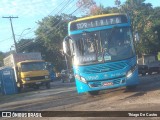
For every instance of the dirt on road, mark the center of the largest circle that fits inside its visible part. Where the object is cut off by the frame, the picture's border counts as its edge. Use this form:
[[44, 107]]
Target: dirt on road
[[63, 97]]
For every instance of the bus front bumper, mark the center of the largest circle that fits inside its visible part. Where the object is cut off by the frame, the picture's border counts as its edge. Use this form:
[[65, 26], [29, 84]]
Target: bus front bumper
[[97, 85]]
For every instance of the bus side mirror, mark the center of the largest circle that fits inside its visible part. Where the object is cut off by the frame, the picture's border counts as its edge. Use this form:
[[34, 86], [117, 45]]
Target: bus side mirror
[[136, 37], [66, 46]]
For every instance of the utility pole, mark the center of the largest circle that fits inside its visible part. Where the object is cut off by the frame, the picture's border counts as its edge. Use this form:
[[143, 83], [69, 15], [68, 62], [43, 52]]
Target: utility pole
[[15, 43]]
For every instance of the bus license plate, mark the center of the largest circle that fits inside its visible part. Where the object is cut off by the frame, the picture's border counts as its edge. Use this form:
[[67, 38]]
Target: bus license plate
[[107, 83]]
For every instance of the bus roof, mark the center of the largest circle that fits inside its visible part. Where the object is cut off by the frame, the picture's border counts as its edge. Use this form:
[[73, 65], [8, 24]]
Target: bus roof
[[96, 16]]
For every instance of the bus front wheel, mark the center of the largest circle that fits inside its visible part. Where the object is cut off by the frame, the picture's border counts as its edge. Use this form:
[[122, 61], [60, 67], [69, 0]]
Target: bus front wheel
[[131, 87], [93, 93]]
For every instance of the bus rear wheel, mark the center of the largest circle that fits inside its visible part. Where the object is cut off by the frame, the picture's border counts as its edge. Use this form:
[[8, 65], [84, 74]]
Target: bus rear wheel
[[92, 93]]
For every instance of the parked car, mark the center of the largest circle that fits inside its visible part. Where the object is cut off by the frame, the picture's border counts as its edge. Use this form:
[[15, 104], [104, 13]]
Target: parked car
[[142, 69], [67, 75], [148, 64]]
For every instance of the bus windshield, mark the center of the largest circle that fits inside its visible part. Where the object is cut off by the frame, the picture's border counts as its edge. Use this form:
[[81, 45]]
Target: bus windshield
[[102, 46], [33, 66]]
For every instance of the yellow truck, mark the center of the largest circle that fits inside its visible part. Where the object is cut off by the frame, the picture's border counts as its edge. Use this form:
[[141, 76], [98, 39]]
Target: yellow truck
[[30, 70]]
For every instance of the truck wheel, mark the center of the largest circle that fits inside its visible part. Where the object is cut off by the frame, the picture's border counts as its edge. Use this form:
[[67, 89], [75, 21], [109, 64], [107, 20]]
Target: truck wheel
[[19, 87], [132, 87], [48, 86], [92, 93]]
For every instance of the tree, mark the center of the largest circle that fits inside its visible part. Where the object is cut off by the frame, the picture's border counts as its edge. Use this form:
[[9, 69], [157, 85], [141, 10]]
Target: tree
[[1, 58], [144, 19], [98, 10], [141, 15], [50, 34], [26, 45], [86, 5]]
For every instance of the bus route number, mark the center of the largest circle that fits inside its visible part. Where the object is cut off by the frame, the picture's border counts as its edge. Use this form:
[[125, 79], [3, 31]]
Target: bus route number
[[81, 25]]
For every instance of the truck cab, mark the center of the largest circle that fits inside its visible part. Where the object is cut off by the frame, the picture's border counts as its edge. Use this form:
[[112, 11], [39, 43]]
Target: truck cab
[[32, 73]]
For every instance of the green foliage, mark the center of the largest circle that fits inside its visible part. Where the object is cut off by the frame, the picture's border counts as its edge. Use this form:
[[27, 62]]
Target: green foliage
[[144, 19], [49, 37], [52, 29], [26, 45], [1, 58], [86, 6], [48, 41]]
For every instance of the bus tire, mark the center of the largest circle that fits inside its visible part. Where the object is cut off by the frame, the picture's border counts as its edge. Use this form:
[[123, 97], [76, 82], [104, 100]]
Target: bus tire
[[92, 93], [131, 87]]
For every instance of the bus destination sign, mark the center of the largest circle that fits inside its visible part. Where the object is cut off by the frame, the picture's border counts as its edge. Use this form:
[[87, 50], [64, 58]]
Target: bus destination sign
[[98, 22]]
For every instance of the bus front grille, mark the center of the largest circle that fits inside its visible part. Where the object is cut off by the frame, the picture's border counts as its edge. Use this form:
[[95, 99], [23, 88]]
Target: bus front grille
[[104, 67], [102, 83]]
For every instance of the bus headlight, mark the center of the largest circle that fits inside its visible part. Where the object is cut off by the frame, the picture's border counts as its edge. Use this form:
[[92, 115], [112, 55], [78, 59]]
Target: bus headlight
[[82, 79], [130, 72], [27, 78]]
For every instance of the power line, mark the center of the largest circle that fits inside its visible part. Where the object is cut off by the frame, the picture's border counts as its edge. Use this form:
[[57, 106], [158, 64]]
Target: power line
[[56, 7], [51, 29], [32, 29], [68, 2], [58, 20], [10, 18], [62, 20], [25, 45], [56, 10], [5, 39]]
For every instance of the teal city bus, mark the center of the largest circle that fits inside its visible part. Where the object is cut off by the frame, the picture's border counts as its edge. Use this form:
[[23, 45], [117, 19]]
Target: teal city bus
[[102, 52]]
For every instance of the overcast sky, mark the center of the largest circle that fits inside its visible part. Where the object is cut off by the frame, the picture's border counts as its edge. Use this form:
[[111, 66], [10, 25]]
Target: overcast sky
[[31, 11]]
